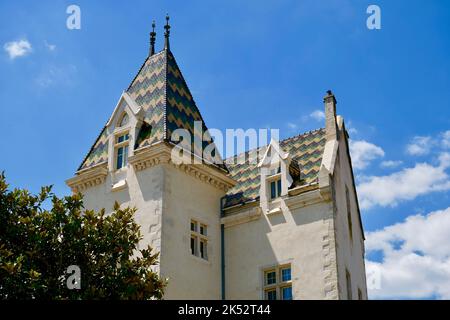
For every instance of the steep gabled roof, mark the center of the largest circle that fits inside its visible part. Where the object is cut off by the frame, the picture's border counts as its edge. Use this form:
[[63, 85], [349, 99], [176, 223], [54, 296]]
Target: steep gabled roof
[[160, 89], [306, 150]]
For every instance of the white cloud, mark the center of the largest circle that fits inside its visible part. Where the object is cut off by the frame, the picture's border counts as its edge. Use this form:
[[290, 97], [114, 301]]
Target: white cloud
[[445, 139], [406, 184], [318, 115], [292, 126], [50, 47], [390, 163], [18, 48], [419, 146], [55, 75], [416, 257], [363, 153]]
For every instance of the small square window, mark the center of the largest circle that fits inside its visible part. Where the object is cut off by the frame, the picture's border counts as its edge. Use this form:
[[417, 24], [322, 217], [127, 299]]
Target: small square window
[[286, 274], [271, 294], [286, 293], [271, 277]]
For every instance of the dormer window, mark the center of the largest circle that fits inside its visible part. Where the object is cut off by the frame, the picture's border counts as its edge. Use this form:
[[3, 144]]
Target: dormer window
[[124, 120], [121, 147], [275, 177]]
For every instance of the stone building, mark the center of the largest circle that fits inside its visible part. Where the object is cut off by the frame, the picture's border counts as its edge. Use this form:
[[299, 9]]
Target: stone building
[[287, 226]]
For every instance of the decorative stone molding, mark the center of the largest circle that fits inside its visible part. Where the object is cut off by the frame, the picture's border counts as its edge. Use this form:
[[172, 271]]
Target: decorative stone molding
[[88, 178], [150, 157], [330, 278], [248, 215], [161, 154], [309, 197]]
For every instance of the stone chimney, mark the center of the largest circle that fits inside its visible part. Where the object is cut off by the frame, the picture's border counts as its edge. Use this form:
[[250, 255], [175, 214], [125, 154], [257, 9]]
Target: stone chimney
[[330, 116]]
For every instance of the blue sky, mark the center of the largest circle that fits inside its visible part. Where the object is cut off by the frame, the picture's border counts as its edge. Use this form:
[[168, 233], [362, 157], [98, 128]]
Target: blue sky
[[254, 64]]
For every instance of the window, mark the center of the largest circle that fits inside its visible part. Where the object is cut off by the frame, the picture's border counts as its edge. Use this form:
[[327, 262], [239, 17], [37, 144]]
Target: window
[[278, 283], [349, 284], [271, 294], [121, 146], [275, 189], [271, 277], [286, 274], [199, 240], [349, 213], [286, 293]]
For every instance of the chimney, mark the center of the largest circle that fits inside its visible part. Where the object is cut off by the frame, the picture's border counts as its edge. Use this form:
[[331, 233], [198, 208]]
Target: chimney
[[330, 116]]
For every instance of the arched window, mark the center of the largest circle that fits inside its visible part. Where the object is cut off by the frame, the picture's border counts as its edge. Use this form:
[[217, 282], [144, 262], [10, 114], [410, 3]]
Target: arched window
[[124, 120]]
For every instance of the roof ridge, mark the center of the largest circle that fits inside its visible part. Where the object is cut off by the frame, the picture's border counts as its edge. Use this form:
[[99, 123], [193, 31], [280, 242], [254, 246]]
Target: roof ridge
[[280, 142], [142, 66]]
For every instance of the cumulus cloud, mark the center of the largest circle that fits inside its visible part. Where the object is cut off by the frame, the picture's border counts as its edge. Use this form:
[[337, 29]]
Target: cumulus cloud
[[391, 163], [363, 153], [292, 125], [445, 139], [318, 115], [406, 184], [416, 258], [18, 48], [419, 146]]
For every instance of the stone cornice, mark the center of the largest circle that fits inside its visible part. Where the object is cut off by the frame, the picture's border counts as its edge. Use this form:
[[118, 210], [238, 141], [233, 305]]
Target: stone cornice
[[304, 199], [88, 178], [161, 154], [248, 215]]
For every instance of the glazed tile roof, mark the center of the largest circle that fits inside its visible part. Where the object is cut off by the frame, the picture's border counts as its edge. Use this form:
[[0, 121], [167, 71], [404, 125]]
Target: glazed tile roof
[[305, 149], [160, 89]]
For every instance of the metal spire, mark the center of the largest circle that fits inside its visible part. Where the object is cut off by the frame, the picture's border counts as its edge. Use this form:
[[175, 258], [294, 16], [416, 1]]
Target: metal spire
[[152, 39], [167, 33]]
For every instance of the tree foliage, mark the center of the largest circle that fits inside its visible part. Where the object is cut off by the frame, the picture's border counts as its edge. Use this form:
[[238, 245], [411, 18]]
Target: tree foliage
[[37, 245]]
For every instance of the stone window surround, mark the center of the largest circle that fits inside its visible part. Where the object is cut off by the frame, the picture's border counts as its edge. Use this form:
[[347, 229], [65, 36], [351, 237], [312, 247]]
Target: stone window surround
[[199, 237], [278, 285]]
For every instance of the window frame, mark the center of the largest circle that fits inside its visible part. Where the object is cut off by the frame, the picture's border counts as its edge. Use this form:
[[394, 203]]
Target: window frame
[[123, 145], [276, 181], [201, 240], [279, 283]]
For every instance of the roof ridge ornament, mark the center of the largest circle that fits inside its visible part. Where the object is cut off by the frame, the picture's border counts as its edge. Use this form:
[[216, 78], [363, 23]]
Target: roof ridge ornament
[[167, 33], [152, 39]]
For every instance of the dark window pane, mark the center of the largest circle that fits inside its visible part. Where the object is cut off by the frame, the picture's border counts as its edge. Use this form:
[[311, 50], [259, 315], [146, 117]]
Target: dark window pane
[[279, 188], [203, 249], [119, 157], [273, 192], [286, 293], [286, 274], [272, 295], [271, 277], [193, 246]]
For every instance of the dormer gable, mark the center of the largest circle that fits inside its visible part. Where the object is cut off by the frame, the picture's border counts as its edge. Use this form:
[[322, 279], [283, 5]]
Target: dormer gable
[[274, 174]]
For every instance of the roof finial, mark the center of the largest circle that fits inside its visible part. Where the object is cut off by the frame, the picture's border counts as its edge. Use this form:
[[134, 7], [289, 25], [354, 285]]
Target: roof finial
[[152, 39], [167, 33]]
